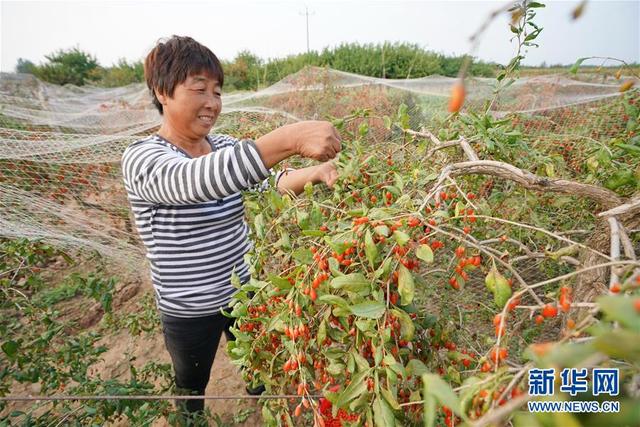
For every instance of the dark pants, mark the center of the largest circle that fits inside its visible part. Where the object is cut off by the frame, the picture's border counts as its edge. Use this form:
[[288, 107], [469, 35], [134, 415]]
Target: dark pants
[[192, 344]]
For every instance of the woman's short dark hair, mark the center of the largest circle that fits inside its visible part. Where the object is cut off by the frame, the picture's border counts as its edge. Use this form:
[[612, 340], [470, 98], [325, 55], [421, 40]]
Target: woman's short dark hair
[[171, 61]]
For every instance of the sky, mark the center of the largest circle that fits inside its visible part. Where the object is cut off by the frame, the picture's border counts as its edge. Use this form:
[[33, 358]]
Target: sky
[[111, 30]]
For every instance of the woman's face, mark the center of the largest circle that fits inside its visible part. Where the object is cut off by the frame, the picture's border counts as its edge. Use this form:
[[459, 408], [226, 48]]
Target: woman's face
[[194, 107]]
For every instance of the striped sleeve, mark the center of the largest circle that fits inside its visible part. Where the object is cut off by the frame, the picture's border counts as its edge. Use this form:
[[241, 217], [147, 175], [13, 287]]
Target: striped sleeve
[[156, 174], [226, 140]]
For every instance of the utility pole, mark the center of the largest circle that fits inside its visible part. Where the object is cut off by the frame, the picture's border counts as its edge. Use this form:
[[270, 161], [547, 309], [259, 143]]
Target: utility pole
[[306, 14]]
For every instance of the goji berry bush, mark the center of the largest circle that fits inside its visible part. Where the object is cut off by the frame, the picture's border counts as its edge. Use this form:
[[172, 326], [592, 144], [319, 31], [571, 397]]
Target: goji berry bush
[[407, 294]]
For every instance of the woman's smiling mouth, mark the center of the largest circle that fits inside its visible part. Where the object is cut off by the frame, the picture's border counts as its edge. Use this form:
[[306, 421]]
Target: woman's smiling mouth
[[206, 119]]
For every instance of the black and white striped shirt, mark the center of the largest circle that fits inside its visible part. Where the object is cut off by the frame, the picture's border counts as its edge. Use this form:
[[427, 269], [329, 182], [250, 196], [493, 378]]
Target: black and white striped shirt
[[190, 216]]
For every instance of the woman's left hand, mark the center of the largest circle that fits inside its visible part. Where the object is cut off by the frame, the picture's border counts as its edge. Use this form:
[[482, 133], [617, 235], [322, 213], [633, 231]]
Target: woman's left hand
[[326, 172]]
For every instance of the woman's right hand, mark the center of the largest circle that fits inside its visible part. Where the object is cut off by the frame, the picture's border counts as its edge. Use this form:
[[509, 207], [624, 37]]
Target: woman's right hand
[[318, 140]]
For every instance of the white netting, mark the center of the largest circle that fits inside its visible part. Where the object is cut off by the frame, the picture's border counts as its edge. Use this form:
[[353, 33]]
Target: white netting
[[60, 147]]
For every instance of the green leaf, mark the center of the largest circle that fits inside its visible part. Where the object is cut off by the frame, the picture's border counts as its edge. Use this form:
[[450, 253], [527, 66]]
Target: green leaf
[[303, 256], [303, 219], [10, 348], [267, 417], [308, 189], [258, 223], [351, 363], [276, 199], [527, 419], [370, 249], [334, 267], [490, 279], [459, 209], [620, 309], [502, 292], [436, 387], [336, 369], [425, 253], [570, 354], [441, 213], [275, 323], [285, 242], [369, 309], [350, 282], [549, 170], [532, 35], [407, 328], [316, 217], [563, 251], [411, 308], [361, 362], [382, 230], [497, 284], [398, 181], [620, 343], [415, 367], [574, 68], [362, 402], [355, 213], [322, 333], [313, 233], [432, 176], [429, 321], [383, 269], [394, 366], [406, 285], [363, 129], [334, 353], [390, 398], [393, 190], [339, 312], [454, 374], [279, 282], [631, 149], [333, 300], [338, 246], [357, 386], [401, 237], [619, 178], [565, 419], [377, 355], [387, 122], [383, 414], [468, 393], [378, 214], [365, 325], [429, 410]]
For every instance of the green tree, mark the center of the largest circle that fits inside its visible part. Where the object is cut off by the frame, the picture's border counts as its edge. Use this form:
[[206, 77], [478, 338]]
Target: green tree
[[387, 60], [69, 66], [245, 72], [121, 74], [25, 66]]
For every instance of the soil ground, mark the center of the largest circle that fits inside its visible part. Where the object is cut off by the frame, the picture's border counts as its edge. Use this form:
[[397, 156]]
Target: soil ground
[[225, 379]]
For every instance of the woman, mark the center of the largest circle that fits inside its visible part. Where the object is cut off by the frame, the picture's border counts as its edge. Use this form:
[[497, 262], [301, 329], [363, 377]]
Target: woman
[[184, 189]]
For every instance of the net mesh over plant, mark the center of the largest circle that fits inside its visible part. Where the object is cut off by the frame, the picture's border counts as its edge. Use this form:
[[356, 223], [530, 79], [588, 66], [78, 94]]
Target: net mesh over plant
[[60, 181], [60, 146]]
